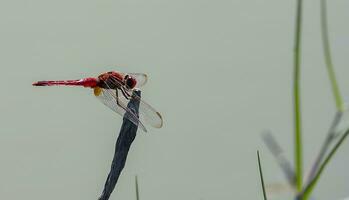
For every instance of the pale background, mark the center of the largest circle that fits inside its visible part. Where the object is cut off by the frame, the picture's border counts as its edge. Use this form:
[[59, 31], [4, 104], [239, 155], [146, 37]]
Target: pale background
[[219, 72]]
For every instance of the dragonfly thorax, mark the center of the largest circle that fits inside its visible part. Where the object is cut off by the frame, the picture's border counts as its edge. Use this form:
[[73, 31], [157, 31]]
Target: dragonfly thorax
[[110, 80]]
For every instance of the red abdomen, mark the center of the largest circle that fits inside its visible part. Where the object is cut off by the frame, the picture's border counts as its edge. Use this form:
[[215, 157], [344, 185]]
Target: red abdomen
[[86, 82]]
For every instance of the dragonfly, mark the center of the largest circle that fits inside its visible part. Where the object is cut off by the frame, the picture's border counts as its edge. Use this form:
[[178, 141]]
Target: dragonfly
[[115, 89]]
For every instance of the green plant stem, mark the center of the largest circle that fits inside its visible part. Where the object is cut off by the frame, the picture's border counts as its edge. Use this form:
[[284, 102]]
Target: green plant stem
[[261, 175], [309, 188], [328, 59], [296, 100]]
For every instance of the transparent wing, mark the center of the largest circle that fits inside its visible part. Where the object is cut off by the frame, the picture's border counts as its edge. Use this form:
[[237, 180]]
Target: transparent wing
[[141, 78], [146, 112], [108, 97]]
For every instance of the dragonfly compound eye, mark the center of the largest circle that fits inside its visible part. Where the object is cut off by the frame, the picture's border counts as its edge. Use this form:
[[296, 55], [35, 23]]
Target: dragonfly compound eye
[[130, 82]]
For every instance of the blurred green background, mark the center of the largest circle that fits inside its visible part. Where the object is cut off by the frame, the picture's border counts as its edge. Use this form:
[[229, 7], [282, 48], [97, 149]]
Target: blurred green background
[[219, 72]]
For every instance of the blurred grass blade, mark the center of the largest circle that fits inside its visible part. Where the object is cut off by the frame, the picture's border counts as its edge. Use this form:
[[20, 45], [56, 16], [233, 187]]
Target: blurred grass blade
[[309, 188], [328, 58], [280, 158], [261, 175], [296, 99], [137, 188], [331, 135]]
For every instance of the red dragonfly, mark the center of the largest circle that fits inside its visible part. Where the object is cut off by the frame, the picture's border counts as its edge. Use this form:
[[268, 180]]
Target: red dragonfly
[[115, 89]]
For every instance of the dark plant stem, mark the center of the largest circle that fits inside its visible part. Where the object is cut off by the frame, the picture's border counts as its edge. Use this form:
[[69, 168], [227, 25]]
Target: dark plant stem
[[137, 188], [261, 175], [126, 136]]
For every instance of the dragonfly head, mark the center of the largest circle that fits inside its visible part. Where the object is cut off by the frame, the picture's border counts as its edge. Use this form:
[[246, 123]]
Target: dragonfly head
[[130, 82]]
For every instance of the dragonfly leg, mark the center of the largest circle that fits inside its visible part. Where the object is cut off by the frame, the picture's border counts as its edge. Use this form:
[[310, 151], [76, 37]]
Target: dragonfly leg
[[126, 94], [117, 98]]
